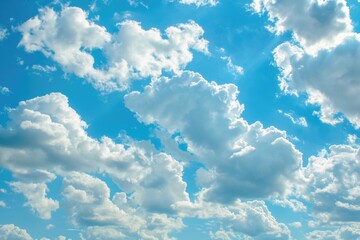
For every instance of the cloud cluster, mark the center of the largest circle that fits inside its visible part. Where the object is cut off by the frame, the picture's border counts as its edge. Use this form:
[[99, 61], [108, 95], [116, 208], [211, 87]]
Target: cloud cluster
[[320, 63], [207, 116], [251, 218], [315, 24], [350, 232], [60, 146], [333, 189], [70, 38], [331, 79], [10, 231], [200, 3]]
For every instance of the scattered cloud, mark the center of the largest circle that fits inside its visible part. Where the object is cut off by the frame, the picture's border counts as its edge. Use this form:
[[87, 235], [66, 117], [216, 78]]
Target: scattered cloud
[[207, 116], [69, 38], [200, 3], [301, 121], [232, 68], [3, 33], [317, 25], [4, 90], [333, 184], [350, 232], [330, 79], [45, 69], [10, 231], [35, 193]]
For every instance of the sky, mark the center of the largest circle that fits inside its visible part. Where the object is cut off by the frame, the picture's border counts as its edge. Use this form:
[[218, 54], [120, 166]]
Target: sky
[[180, 119]]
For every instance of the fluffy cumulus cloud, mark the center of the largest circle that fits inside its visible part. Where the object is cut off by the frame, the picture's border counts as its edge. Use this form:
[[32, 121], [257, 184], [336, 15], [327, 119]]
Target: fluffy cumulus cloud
[[35, 194], [3, 33], [69, 38], [59, 145], [321, 65], [10, 231], [200, 3], [333, 187], [88, 200], [251, 218], [330, 79], [315, 24], [47, 129], [350, 232], [207, 116]]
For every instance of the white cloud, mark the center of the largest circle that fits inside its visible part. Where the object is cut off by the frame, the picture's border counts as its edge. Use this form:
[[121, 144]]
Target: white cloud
[[330, 79], [102, 233], [251, 218], [315, 24], [89, 203], [10, 231], [350, 232], [3, 33], [47, 129], [232, 68], [296, 224], [35, 193], [293, 204], [69, 38], [59, 144], [2, 204], [200, 3], [333, 188], [4, 90], [50, 131], [301, 121], [45, 69], [207, 116]]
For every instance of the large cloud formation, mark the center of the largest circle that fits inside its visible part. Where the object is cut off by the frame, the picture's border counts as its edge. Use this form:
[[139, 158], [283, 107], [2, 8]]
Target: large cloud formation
[[321, 61], [45, 138], [333, 189], [207, 116], [69, 38], [315, 24]]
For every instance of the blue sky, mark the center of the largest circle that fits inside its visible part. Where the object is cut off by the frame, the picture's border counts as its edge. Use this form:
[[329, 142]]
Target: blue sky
[[179, 119]]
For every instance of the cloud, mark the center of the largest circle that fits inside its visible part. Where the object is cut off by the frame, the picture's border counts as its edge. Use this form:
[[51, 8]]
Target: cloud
[[10, 231], [232, 68], [350, 232], [45, 69], [330, 79], [2, 204], [69, 38], [293, 204], [88, 200], [100, 233], [4, 90], [315, 24], [333, 188], [251, 218], [50, 131], [301, 121], [320, 63], [3, 33], [200, 3], [47, 129], [207, 117], [35, 193]]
